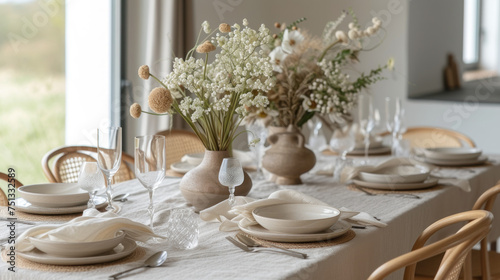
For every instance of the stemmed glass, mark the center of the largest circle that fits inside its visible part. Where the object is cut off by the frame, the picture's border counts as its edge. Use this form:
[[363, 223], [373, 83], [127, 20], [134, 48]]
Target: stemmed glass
[[231, 176], [109, 156], [366, 120], [343, 141], [150, 165], [257, 131], [91, 180], [394, 121]]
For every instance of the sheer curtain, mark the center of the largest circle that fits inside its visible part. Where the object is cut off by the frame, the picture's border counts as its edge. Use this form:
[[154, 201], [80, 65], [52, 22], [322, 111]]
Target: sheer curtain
[[155, 34]]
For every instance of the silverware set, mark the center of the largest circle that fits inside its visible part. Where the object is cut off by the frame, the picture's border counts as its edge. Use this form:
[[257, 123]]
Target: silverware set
[[252, 247]]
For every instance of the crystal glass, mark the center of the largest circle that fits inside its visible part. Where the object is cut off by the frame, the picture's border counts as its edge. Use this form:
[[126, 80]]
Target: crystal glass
[[182, 229], [91, 180], [366, 119], [257, 131], [343, 141], [231, 175], [150, 165], [394, 120], [109, 156]]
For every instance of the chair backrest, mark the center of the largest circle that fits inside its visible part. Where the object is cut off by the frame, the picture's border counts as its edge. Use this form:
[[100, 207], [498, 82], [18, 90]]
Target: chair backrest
[[66, 162], [180, 142], [3, 197], [433, 137], [455, 246]]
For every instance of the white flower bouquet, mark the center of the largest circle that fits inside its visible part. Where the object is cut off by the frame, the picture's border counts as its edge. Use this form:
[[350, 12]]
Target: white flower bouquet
[[213, 97]]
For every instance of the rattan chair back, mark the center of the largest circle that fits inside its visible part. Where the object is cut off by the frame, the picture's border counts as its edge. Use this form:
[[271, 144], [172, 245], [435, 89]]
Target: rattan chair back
[[179, 143], [3, 197]]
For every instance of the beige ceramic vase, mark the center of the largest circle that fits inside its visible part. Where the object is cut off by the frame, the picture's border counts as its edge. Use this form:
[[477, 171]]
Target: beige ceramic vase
[[201, 187], [288, 158]]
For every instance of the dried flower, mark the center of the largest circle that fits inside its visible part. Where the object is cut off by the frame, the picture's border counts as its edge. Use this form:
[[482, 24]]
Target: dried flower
[[277, 24], [135, 110], [224, 28], [160, 100], [340, 35], [144, 72], [206, 47]]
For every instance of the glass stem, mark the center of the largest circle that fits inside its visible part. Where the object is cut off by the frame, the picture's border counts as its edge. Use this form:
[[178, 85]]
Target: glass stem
[[231, 195], [151, 208], [367, 145], [91, 203], [108, 193]]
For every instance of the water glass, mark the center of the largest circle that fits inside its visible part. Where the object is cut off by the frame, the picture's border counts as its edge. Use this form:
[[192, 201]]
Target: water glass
[[366, 120], [109, 156], [231, 175], [91, 180], [182, 229]]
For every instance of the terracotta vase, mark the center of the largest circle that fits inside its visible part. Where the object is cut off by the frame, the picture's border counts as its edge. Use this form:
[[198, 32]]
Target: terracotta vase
[[201, 187], [288, 158]]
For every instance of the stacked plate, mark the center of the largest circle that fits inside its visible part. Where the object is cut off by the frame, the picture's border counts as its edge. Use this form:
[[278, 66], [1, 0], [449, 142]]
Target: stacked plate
[[54, 198], [79, 253], [190, 161], [296, 223], [454, 156], [376, 147], [400, 177]]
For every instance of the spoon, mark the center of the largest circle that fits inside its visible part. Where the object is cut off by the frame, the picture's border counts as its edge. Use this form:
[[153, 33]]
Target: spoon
[[121, 197], [155, 260], [251, 243]]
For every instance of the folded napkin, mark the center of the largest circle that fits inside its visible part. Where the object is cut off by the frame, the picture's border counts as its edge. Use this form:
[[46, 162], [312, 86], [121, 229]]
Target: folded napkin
[[351, 172], [92, 226], [241, 212]]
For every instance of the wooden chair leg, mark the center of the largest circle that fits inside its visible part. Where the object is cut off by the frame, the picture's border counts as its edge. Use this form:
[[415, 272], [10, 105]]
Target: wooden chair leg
[[493, 246]]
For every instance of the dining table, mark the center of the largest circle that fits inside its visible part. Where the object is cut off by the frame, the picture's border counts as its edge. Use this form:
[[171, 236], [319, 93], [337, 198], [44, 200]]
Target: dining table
[[216, 258]]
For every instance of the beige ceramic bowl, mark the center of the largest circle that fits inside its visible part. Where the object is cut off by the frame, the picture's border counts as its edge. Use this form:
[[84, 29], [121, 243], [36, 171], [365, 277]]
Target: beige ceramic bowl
[[76, 249], [54, 195], [397, 174], [194, 159], [296, 218]]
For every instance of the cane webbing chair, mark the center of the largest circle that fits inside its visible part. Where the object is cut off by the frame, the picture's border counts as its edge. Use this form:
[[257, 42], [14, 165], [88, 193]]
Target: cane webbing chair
[[179, 143], [3, 197], [485, 264], [62, 165], [456, 247], [434, 137]]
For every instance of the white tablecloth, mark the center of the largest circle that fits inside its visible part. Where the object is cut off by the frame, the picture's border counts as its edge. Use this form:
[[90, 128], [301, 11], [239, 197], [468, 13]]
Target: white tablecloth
[[216, 258]]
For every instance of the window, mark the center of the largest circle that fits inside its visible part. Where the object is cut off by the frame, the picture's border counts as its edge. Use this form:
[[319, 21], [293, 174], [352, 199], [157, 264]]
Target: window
[[472, 29]]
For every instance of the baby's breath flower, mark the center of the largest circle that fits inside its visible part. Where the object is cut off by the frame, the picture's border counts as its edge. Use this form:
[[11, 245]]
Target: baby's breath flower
[[160, 100], [144, 72], [340, 35], [254, 142], [135, 110], [206, 27]]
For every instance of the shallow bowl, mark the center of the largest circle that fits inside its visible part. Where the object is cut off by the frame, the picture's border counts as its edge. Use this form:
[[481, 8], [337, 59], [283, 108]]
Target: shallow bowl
[[296, 218], [54, 195], [194, 159], [452, 153], [397, 174], [76, 249]]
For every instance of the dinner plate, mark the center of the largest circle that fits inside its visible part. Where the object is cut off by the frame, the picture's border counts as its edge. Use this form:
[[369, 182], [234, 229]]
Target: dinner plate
[[194, 159], [54, 194], [397, 174], [24, 206], [372, 151], [181, 167], [457, 162], [124, 249], [452, 153], [397, 186], [336, 230], [374, 143]]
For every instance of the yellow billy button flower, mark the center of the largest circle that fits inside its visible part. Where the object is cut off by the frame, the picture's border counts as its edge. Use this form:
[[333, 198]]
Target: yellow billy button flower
[[144, 72], [135, 110], [160, 100], [206, 47]]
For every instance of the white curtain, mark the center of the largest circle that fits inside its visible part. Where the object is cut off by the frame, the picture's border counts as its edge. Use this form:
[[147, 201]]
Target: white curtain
[[164, 41]]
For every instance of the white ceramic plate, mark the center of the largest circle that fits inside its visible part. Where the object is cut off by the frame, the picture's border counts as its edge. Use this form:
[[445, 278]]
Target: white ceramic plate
[[296, 218], [194, 159], [336, 230], [452, 153], [54, 194], [76, 249], [372, 151], [397, 174], [124, 249], [457, 162], [181, 167], [397, 186], [374, 143], [24, 206]]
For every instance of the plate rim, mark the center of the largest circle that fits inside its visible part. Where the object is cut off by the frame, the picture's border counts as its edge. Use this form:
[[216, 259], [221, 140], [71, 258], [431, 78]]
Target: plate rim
[[454, 162], [33, 209], [295, 237], [375, 151], [48, 259], [181, 170], [406, 186], [457, 156]]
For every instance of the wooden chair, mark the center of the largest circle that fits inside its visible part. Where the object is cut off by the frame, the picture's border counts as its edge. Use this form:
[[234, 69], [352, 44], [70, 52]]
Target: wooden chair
[[68, 159], [484, 263], [456, 247], [433, 137], [3, 197], [180, 142]]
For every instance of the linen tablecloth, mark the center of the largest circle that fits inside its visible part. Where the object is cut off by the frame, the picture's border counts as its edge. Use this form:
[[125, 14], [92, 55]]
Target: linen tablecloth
[[216, 258]]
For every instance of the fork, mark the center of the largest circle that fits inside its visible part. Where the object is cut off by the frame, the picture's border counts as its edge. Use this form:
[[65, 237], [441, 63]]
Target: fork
[[255, 249], [406, 195]]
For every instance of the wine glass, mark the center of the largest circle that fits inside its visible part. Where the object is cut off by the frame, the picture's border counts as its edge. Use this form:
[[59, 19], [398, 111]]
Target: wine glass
[[150, 165], [343, 141], [231, 176], [257, 131], [394, 121], [366, 120], [109, 156], [91, 180]]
